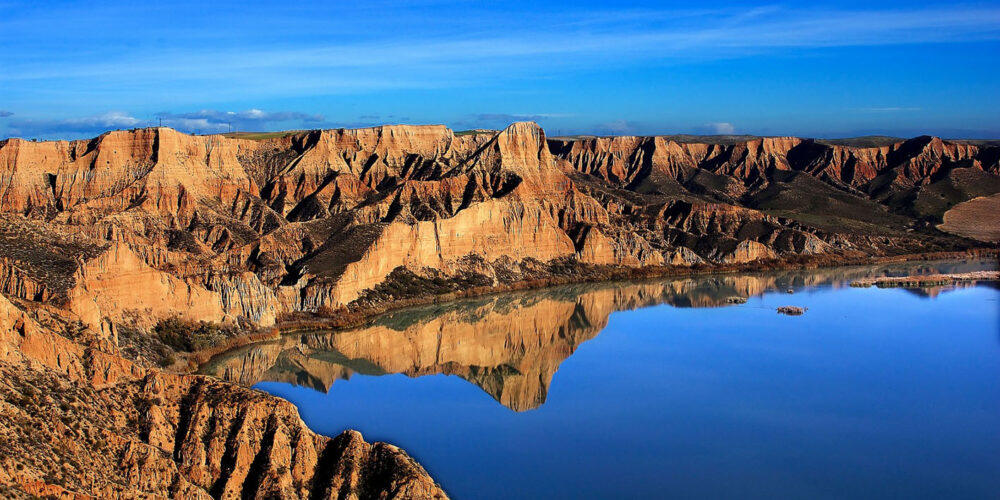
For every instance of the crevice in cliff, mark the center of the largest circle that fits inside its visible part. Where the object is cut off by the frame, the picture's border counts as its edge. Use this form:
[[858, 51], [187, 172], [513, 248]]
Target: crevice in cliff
[[259, 468]]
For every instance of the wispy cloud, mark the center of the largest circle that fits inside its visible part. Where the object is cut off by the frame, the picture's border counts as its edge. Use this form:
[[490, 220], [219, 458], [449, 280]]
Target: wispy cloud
[[73, 126], [204, 121], [485, 64], [208, 121], [616, 127], [516, 117], [890, 109], [456, 57], [4, 113], [716, 128]]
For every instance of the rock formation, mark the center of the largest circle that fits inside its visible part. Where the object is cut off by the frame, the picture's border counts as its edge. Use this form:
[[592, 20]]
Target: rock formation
[[104, 240], [79, 421], [241, 229]]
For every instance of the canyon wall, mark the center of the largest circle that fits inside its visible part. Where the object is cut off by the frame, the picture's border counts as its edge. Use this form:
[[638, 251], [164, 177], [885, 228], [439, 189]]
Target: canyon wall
[[229, 229]]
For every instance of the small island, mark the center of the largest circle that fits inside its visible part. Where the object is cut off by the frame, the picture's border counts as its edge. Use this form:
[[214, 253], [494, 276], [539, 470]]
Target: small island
[[792, 310]]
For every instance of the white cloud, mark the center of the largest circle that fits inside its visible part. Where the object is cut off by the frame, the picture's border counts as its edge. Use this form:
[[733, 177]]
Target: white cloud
[[722, 128], [114, 119], [208, 120], [106, 121]]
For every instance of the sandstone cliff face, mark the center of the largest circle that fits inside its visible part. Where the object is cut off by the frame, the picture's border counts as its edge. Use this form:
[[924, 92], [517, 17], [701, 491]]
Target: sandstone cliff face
[[153, 223], [79, 421], [630, 160]]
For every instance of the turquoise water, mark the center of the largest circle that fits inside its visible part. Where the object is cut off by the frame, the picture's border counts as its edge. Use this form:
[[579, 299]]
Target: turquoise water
[[666, 390]]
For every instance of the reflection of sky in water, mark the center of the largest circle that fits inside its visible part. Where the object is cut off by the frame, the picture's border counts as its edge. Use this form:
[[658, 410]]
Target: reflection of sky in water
[[873, 393]]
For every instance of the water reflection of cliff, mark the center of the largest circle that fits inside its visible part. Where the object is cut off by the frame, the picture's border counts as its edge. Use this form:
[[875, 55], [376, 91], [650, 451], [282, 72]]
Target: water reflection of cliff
[[509, 345]]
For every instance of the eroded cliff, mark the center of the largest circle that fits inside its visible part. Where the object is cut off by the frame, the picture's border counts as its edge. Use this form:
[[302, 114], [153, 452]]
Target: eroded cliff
[[225, 229], [77, 420], [118, 250]]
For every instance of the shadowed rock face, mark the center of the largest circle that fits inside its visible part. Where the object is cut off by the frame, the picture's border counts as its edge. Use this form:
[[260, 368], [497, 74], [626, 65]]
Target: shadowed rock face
[[509, 345], [217, 228], [634, 160]]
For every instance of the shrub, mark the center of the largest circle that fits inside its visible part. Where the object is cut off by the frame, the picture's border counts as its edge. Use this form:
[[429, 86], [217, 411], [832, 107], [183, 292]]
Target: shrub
[[190, 336], [167, 359], [73, 331]]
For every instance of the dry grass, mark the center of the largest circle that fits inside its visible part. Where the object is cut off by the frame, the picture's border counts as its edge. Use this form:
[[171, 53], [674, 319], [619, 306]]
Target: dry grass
[[978, 218], [260, 136]]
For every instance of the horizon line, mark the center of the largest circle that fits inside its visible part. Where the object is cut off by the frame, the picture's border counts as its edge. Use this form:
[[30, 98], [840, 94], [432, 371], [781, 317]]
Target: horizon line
[[283, 133]]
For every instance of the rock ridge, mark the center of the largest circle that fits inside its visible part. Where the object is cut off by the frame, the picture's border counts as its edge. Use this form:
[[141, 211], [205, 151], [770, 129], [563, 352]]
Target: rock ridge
[[257, 229]]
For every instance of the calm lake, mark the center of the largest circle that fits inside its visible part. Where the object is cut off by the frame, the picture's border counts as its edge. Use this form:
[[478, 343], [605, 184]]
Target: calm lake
[[668, 389]]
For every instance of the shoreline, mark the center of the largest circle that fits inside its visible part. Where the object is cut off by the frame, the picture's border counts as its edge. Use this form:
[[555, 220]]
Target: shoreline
[[928, 281], [347, 317]]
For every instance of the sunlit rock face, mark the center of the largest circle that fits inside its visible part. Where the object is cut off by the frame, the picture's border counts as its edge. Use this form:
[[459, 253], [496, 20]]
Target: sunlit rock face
[[222, 229], [80, 420], [509, 345]]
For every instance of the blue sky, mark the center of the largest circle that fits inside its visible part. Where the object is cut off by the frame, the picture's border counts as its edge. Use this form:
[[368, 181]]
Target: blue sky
[[830, 69]]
